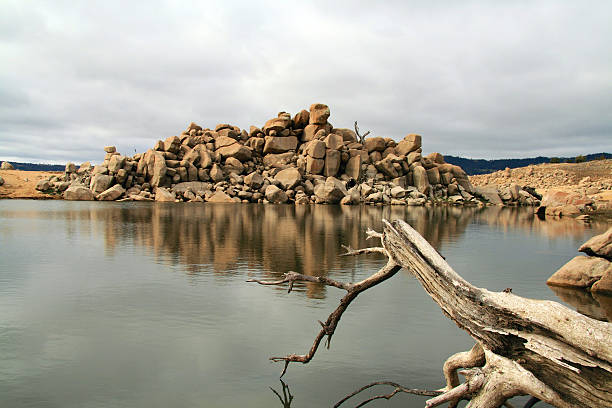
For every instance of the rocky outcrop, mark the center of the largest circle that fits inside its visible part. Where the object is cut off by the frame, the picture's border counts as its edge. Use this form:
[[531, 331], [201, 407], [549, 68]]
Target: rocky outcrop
[[592, 273], [6, 166], [303, 160]]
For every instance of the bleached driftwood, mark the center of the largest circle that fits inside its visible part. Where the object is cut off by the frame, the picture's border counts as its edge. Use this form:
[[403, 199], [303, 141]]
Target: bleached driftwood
[[523, 346]]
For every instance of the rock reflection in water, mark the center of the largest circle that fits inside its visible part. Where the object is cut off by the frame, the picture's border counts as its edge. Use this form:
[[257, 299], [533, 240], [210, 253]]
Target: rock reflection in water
[[229, 238], [590, 304]]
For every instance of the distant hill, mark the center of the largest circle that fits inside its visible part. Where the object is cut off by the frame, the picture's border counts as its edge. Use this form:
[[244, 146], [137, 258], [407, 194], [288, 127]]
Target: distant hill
[[37, 166], [482, 166]]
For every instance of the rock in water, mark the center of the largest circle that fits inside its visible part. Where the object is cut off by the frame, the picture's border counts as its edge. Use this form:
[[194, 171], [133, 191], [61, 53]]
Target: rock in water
[[332, 191], [112, 193], [600, 245], [580, 272], [78, 193], [164, 195]]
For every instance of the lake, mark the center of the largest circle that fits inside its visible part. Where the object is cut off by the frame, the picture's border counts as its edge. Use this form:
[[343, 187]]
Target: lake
[[147, 305]]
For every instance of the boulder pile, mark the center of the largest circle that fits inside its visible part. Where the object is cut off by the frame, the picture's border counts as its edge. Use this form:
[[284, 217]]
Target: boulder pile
[[301, 159], [592, 272]]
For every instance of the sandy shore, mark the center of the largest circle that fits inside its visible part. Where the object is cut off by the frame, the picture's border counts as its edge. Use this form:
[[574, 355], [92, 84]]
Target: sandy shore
[[22, 184]]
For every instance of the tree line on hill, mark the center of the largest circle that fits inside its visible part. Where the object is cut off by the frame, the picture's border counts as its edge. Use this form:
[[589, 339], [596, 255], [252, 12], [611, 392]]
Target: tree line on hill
[[482, 166]]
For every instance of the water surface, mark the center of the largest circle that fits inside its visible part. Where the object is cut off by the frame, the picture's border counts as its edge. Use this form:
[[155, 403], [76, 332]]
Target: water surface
[[146, 304]]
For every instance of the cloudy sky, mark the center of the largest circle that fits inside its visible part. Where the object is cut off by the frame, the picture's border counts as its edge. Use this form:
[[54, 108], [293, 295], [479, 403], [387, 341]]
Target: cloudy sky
[[477, 79]]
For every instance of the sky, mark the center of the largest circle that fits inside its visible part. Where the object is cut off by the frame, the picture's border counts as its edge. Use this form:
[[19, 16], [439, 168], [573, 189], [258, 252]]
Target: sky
[[479, 79]]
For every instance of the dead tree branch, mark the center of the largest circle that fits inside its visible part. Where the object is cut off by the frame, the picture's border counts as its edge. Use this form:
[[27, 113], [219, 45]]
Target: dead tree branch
[[360, 138], [397, 389], [523, 346]]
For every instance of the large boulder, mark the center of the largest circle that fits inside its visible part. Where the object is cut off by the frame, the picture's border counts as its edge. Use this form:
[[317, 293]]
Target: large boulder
[[100, 182], [281, 144], [314, 166], [279, 160], [332, 191], [172, 144], [300, 120], [489, 193], [333, 141], [6, 166], [43, 185], [223, 141], [164, 195], [410, 143], [580, 272], [237, 151], [70, 168], [220, 197], [315, 149], [420, 179], [275, 195], [600, 245], [254, 180], [319, 113], [277, 124], [78, 193], [604, 285], [158, 176], [375, 144], [332, 162], [353, 167], [111, 194], [116, 162], [289, 177], [347, 134], [216, 174]]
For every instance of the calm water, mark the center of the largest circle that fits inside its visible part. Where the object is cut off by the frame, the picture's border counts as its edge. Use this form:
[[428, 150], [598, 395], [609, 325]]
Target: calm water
[[146, 305]]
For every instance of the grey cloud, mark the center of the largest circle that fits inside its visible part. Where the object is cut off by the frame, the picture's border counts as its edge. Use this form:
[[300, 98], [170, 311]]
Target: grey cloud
[[477, 79]]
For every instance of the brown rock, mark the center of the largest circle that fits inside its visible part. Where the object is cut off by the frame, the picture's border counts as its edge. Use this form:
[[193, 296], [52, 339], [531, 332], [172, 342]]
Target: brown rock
[[375, 144], [110, 149], [332, 163], [236, 150], [301, 119], [158, 176], [116, 162], [600, 245], [164, 195], [289, 177], [604, 285], [100, 182], [254, 131], [223, 141], [333, 141], [280, 144], [275, 195], [410, 143], [319, 113], [580, 272], [332, 191], [254, 180], [220, 197], [111, 194], [433, 175], [420, 179], [315, 149], [353, 167], [6, 166], [216, 174], [277, 124], [279, 160], [172, 144], [347, 134], [78, 193], [314, 166], [234, 165], [436, 158]]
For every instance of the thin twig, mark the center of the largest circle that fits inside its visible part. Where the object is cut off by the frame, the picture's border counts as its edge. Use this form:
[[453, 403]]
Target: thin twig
[[351, 252], [398, 388], [329, 326]]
